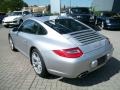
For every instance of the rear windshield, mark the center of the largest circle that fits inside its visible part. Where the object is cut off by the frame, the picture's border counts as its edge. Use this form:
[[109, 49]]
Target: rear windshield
[[64, 26]]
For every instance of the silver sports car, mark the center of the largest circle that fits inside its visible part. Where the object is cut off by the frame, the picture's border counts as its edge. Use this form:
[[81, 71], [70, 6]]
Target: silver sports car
[[61, 46]]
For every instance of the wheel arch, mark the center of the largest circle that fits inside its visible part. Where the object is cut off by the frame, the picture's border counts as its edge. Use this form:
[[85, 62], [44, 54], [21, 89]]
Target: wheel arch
[[30, 52]]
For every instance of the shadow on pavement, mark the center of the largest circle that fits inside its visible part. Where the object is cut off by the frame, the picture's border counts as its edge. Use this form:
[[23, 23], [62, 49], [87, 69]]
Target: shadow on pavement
[[98, 76], [51, 76]]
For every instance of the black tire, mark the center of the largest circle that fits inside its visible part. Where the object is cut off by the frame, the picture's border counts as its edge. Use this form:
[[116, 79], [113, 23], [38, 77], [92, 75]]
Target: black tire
[[12, 44], [43, 73]]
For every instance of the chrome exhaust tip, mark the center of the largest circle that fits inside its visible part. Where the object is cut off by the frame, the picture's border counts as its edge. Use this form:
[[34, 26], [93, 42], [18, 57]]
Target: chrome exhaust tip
[[84, 74]]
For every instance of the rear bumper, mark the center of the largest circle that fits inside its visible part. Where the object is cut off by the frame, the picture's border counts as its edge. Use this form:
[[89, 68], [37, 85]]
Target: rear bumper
[[72, 68]]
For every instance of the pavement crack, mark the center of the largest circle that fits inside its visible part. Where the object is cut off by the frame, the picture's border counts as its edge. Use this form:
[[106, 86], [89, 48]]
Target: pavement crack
[[32, 83]]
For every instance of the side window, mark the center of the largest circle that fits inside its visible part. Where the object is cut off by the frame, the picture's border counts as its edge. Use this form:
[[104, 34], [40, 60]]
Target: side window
[[39, 29], [32, 27], [28, 27]]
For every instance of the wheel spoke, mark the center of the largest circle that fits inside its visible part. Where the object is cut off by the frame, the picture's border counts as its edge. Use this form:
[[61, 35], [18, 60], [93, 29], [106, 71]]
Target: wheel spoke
[[39, 67], [34, 64]]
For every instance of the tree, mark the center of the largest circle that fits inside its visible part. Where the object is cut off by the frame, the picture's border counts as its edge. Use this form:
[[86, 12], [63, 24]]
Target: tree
[[11, 5]]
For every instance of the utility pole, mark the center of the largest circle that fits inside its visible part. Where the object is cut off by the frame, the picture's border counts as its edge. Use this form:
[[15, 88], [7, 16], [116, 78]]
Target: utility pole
[[70, 4], [60, 7], [69, 10]]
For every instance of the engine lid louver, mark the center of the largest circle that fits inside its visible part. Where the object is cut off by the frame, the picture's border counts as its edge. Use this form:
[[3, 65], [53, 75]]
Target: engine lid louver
[[86, 36]]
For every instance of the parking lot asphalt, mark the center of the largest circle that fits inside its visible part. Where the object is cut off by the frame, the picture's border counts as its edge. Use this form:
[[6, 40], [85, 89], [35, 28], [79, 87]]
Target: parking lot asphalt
[[16, 72]]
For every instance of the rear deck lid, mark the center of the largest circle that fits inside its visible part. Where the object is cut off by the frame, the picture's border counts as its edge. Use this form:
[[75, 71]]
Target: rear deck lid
[[88, 40]]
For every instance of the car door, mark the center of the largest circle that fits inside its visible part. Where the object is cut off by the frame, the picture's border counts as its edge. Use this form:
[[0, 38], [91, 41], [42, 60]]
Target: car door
[[22, 38]]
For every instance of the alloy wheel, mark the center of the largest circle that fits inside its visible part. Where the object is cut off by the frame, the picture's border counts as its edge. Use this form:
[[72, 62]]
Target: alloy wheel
[[37, 64]]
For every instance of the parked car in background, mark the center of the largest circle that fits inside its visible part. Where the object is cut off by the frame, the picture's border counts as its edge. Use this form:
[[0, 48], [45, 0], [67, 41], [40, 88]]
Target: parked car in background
[[2, 15], [15, 18], [109, 20], [82, 14], [61, 45]]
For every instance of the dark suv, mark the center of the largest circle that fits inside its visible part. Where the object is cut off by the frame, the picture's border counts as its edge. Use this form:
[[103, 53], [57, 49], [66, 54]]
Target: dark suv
[[82, 14]]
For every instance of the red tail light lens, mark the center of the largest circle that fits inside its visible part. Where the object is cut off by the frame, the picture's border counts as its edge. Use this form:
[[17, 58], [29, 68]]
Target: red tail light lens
[[69, 53]]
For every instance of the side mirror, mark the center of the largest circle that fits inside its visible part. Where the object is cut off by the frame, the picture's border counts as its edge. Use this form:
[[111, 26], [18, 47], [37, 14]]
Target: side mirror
[[15, 29]]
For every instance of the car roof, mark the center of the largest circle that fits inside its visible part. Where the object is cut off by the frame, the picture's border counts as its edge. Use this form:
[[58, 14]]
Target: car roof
[[48, 18]]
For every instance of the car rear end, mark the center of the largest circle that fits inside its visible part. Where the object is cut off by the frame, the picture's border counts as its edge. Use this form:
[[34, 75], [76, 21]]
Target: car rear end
[[97, 50], [93, 54], [89, 51]]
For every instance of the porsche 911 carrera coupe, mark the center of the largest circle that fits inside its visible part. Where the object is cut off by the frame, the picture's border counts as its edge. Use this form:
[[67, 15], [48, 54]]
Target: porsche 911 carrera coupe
[[61, 46]]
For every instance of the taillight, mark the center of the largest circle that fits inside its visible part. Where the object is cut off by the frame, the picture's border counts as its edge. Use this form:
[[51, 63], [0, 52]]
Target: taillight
[[69, 53]]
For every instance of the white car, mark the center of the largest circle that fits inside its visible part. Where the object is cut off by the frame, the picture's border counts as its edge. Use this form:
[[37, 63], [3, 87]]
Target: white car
[[15, 18]]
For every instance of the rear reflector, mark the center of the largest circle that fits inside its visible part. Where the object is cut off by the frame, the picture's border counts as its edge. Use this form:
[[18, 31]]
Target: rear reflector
[[69, 53]]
